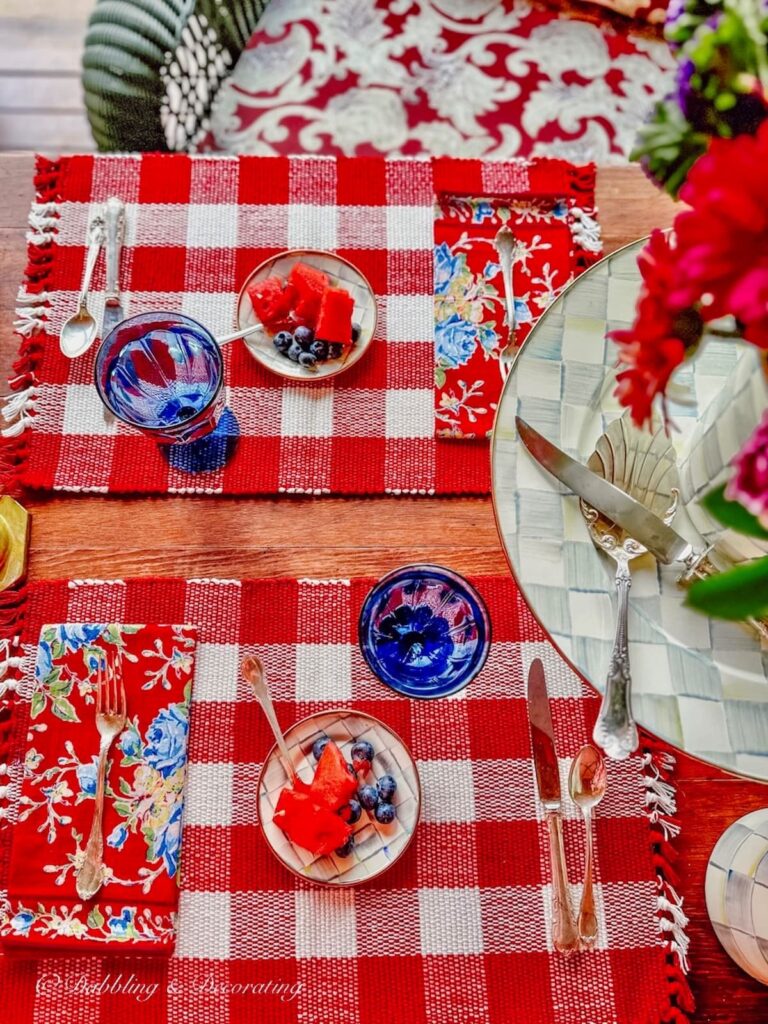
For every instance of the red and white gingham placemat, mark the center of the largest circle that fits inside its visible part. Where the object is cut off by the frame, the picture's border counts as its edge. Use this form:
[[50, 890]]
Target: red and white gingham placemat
[[196, 227], [457, 932]]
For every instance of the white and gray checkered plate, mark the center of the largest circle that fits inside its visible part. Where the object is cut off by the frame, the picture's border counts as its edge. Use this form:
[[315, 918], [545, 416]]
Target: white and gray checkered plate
[[698, 683]]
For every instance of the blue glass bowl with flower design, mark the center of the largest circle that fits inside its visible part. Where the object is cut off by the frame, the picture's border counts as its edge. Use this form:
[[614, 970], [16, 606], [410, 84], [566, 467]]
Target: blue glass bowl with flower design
[[424, 631]]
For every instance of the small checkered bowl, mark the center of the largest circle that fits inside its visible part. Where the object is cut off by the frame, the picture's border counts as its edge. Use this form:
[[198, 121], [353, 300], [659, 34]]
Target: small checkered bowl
[[342, 274], [376, 847]]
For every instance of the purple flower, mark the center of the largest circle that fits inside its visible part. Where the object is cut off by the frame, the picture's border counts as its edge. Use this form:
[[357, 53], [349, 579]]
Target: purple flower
[[749, 485]]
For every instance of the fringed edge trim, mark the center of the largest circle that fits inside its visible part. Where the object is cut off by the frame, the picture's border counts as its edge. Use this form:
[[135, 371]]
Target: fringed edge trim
[[18, 408], [661, 809], [13, 660]]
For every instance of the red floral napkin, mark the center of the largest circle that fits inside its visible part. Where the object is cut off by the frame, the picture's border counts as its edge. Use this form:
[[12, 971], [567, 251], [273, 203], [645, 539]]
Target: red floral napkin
[[135, 910], [470, 319]]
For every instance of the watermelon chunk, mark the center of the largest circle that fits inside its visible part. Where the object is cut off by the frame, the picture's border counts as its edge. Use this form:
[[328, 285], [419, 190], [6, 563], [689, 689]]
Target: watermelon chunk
[[333, 783], [309, 824], [334, 321], [309, 285], [272, 300]]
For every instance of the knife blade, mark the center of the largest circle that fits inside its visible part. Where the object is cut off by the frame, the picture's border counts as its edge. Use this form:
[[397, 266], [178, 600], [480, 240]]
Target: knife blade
[[543, 738], [114, 219], [661, 540], [565, 936]]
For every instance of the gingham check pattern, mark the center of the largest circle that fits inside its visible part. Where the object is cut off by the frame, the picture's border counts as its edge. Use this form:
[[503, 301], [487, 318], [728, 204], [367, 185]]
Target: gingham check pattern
[[195, 228], [458, 931]]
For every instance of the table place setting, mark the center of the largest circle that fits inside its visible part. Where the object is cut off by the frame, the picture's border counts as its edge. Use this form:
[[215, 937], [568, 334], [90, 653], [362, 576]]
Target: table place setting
[[443, 833], [198, 240]]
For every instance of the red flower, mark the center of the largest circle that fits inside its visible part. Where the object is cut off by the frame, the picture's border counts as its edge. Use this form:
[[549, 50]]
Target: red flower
[[722, 242], [664, 328]]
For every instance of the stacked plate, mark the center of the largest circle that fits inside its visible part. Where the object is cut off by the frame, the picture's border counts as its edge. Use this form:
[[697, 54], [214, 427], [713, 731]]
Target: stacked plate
[[736, 889]]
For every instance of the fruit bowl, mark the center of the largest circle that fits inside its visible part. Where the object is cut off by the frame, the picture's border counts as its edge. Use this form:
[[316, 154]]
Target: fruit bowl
[[341, 274], [376, 846]]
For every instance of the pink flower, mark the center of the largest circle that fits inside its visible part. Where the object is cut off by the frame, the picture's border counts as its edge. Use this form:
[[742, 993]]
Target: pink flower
[[749, 485]]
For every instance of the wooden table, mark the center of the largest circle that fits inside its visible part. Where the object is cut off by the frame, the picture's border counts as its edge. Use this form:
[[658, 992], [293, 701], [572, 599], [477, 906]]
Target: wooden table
[[88, 536]]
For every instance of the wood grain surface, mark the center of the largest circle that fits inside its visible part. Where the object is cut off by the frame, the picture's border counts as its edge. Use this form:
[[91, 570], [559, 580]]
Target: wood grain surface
[[90, 536]]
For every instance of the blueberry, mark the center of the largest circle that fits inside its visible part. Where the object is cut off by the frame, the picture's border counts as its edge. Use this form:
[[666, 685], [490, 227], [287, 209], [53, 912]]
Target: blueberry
[[368, 797], [294, 351], [335, 349], [357, 330], [319, 350], [362, 755], [350, 768], [305, 336], [346, 849], [319, 746], [282, 341], [307, 359], [385, 813], [362, 750], [386, 787], [351, 812]]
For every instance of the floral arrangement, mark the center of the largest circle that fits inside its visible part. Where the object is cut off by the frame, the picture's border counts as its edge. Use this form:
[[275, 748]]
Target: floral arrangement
[[707, 144]]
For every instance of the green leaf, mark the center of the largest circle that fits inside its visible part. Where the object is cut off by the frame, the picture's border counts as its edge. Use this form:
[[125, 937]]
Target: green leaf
[[733, 514], [38, 703], [95, 918], [125, 786], [123, 808], [62, 708], [439, 376], [57, 649], [60, 687], [736, 594], [49, 634]]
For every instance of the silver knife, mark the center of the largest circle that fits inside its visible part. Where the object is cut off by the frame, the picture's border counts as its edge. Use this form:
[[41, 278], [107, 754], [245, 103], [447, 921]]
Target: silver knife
[[114, 220], [631, 515], [565, 937]]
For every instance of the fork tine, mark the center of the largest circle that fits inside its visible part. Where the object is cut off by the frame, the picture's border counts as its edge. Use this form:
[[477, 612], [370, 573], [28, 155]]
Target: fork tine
[[123, 702], [112, 687], [99, 685]]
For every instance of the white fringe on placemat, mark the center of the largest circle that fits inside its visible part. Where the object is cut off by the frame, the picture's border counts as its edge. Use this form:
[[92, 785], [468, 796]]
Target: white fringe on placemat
[[661, 806], [31, 308]]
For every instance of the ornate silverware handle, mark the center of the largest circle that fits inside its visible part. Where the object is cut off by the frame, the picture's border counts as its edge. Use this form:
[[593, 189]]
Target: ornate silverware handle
[[115, 226], [587, 916], [698, 567], [565, 937], [615, 730], [89, 876], [95, 242]]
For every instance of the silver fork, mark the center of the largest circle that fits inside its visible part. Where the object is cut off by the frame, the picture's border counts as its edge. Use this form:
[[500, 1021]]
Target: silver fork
[[505, 244], [111, 714]]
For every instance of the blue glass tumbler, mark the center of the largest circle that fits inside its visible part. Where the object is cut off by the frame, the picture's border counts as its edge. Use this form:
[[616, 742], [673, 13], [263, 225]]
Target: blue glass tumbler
[[163, 374]]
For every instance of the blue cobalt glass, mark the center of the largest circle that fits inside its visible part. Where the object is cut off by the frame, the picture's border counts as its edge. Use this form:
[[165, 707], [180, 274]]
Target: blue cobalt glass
[[162, 373], [424, 631]]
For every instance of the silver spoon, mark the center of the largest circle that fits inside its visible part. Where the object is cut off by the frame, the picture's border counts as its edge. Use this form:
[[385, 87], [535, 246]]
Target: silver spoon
[[239, 334], [506, 246], [252, 670], [78, 333], [586, 784]]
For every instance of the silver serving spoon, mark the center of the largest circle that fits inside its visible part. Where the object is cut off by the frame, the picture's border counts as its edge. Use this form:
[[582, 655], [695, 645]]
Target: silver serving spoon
[[252, 670], [506, 246], [78, 333], [586, 784]]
